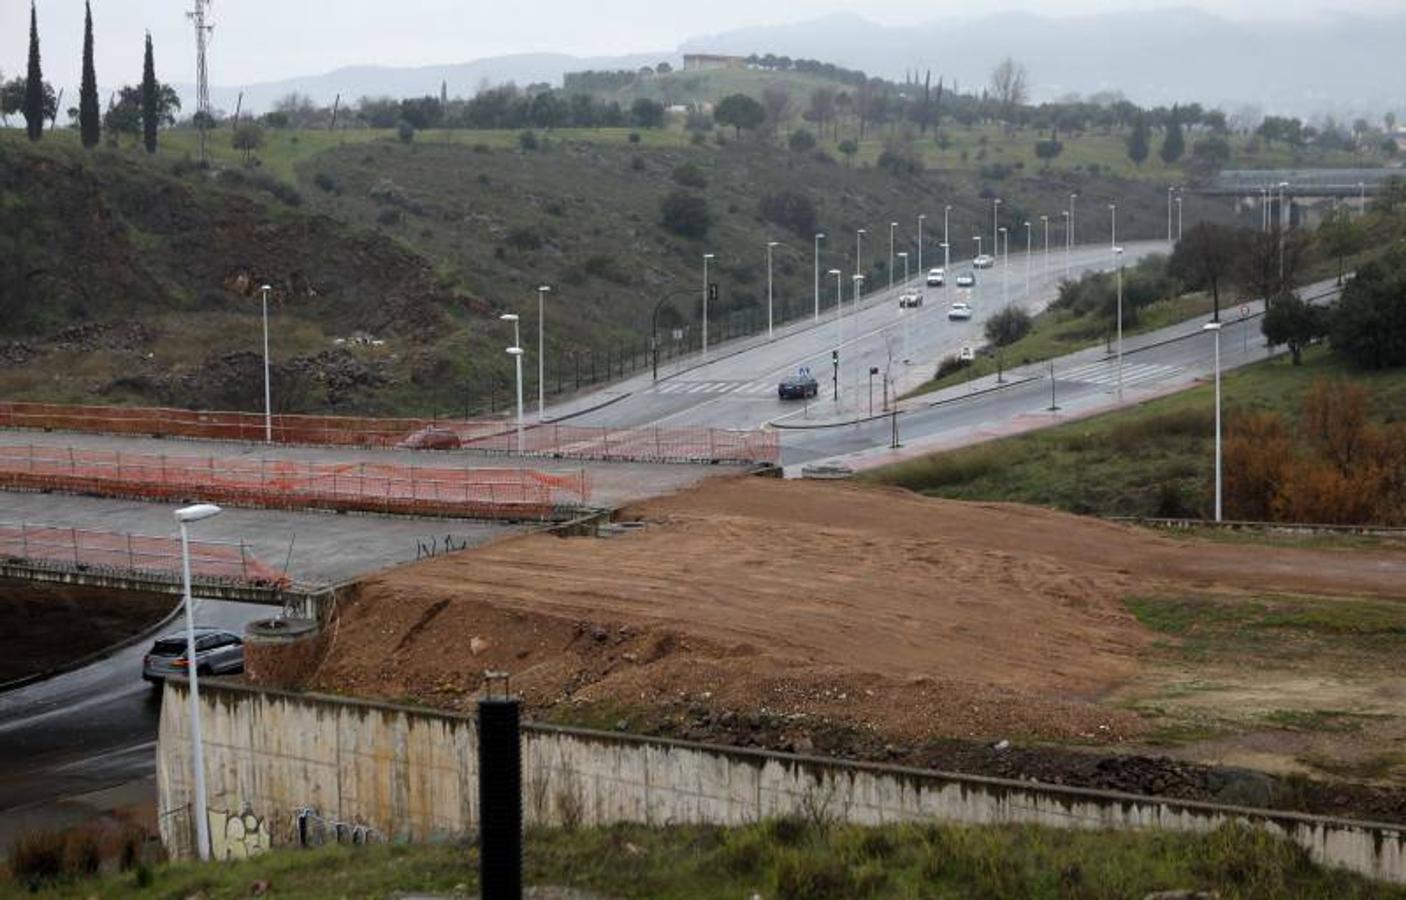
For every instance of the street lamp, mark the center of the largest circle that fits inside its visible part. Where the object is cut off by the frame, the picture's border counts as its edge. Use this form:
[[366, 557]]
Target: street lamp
[[995, 221], [893, 226], [516, 354], [184, 518], [839, 326], [541, 351], [818, 239], [859, 250], [1118, 263], [512, 317], [268, 390], [1215, 327], [1113, 225], [1070, 236], [706, 258], [946, 238], [1284, 222], [1045, 220], [921, 217], [1003, 235], [1170, 191], [1064, 214], [903, 311], [1027, 260], [770, 246], [1178, 218], [1361, 198], [946, 262]]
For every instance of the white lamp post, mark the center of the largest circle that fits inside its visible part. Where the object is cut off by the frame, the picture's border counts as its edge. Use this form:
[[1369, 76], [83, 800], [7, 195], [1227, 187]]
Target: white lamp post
[[946, 241], [1170, 191], [893, 226], [1215, 328], [839, 326], [1118, 263], [1361, 198], [268, 390], [921, 217], [946, 262], [516, 354], [995, 222], [1003, 235], [859, 250], [1064, 214], [1027, 260], [706, 258], [1113, 225], [513, 317], [770, 246], [818, 239], [1072, 198], [200, 807], [904, 312], [1045, 220], [541, 351], [1178, 218]]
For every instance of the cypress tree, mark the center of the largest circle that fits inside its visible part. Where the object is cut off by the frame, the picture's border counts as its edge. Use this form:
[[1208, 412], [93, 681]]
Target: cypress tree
[[1137, 141], [1174, 144], [34, 82], [149, 104], [88, 115]]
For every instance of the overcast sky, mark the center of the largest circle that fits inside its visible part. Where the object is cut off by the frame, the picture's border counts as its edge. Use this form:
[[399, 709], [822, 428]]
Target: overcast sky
[[266, 40]]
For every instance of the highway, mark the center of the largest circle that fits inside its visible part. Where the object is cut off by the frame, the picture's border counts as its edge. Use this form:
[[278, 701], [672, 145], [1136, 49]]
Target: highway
[[735, 387]]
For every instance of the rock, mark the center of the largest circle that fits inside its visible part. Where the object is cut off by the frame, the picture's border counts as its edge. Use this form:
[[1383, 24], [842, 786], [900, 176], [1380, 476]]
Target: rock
[[477, 645], [259, 888]]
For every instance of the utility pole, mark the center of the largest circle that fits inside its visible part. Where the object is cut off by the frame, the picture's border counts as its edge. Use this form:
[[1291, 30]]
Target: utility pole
[[203, 28]]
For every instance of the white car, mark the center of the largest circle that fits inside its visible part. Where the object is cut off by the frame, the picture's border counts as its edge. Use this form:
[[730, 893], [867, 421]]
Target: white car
[[966, 280], [936, 277], [910, 301], [984, 261], [959, 311]]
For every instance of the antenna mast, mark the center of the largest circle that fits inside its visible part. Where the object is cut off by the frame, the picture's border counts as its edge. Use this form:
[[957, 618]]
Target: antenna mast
[[203, 115]]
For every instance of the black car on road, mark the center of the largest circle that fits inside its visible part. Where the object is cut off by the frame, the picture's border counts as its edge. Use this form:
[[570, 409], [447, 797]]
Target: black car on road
[[798, 387]]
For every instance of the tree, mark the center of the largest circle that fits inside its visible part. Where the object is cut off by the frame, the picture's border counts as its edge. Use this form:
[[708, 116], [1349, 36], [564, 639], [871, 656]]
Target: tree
[[247, 138], [1338, 236], [1046, 151], [792, 210], [1008, 326], [647, 113], [124, 116], [1138, 141], [89, 118], [12, 99], [34, 106], [1369, 323], [1205, 258], [150, 98], [686, 214], [739, 111], [801, 141], [1009, 88], [1173, 144], [1270, 262], [776, 99], [849, 148], [1291, 322]]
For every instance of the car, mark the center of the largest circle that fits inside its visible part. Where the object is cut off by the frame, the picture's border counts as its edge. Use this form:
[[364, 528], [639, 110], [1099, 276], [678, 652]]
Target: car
[[798, 387], [937, 277], [959, 311], [217, 652], [966, 279], [984, 261], [431, 437], [910, 301]]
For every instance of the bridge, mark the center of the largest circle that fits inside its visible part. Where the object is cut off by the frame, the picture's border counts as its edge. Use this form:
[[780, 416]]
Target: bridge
[[1300, 182]]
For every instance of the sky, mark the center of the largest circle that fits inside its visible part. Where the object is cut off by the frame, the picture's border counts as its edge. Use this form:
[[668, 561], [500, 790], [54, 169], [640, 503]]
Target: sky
[[268, 40]]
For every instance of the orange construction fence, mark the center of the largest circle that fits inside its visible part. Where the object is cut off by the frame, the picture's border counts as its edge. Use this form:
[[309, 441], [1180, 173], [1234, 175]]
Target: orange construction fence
[[643, 444], [134, 553], [497, 493]]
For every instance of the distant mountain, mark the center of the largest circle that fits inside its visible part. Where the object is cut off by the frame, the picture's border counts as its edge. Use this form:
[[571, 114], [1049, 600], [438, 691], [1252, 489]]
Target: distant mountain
[[1337, 64], [462, 79]]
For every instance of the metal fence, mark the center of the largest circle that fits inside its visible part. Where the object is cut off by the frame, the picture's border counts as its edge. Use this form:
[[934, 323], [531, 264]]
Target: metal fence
[[559, 441], [134, 553], [496, 493]]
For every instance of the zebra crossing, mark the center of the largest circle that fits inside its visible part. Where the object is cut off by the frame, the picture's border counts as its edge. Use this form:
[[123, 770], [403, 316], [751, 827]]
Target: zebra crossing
[[766, 386], [1106, 372]]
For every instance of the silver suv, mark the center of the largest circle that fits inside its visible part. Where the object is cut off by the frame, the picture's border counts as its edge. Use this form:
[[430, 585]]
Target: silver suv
[[217, 652]]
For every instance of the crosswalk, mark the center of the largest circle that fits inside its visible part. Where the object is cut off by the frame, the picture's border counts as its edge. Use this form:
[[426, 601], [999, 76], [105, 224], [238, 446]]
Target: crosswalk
[[1106, 372], [765, 386]]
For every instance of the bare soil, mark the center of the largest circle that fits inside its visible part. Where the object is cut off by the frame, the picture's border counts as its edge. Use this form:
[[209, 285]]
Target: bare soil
[[38, 623]]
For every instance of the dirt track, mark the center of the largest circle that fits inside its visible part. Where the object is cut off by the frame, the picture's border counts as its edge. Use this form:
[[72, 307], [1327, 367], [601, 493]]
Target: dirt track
[[876, 606]]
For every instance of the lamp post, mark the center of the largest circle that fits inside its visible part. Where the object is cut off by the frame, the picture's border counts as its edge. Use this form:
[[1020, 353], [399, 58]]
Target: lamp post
[[1045, 220], [1283, 227], [770, 246], [1118, 263], [903, 312], [706, 258], [1361, 198], [893, 226], [946, 211], [1178, 218], [859, 250], [1064, 214], [818, 239], [1027, 260], [516, 354], [1170, 191], [1215, 328], [1003, 235], [946, 262], [858, 288], [185, 517], [1072, 198], [268, 389], [839, 325], [995, 223], [542, 292], [976, 284], [1113, 225], [921, 217]]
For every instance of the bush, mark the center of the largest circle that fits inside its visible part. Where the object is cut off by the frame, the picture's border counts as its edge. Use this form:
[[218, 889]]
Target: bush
[[37, 858], [1368, 324], [634, 137], [689, 175], [698, 139], [405, 131], [950, 364], [686, 215], [605, 267], [800, 876], [525, 237], [527, 141], [1008, 326], [793, 210], [637, 164], [327, 182], [801, 141], [390, 216]]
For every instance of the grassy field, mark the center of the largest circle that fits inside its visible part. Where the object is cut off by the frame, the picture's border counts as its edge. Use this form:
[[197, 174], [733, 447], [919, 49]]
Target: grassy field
[[788, 860], [1153, 459]]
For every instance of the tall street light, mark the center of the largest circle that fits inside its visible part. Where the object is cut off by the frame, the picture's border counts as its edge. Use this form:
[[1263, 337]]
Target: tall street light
[[1027, 260], [1118, 263], [903, 311], [1215, 328], [1178, 218], [706, 258], [921, 217], [839, 324], [186, 517], [946, 211], [515, 351], [1284, 222], [770, 246], [1113, 225], [541, 351], [1361, 198], [1003, 235], [1045, 220], [893, 226], [268, 390], [859, 250], [1072, 198], [1170, 191], [946, 263], [1064, 214], [995, 222], [818, 239]]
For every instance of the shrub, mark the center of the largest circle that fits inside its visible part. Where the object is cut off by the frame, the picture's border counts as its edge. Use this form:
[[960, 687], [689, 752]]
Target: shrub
[[1369, 322], [689, 175], [793, 210], [390, 216], [37, 857], [327, 182], [605, 267], [686, 215], [637, 164], [950, 364], [801, 141], [698, 139], [525, 237], [634, 137], [405, 131], [800, 876], [527, 141], [1008, 326]]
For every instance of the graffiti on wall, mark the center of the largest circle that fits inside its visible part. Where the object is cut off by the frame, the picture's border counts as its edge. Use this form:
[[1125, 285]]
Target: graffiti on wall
[[237, 835]]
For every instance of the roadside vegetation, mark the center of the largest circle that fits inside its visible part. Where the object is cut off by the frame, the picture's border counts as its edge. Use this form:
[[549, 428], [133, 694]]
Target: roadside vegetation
[[789, 859]]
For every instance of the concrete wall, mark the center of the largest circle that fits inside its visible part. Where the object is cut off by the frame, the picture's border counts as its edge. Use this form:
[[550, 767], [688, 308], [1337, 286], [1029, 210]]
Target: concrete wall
[[410, 774]]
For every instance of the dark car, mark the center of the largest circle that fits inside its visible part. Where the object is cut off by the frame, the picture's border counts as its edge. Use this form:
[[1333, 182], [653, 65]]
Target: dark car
[[798, 387], [217, 652]]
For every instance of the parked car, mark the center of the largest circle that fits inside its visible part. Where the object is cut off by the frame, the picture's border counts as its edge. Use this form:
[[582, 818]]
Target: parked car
[[937, 277], [984, 261], [798, 387], [966, 279], [431, 437], [910, 301], [217, 652], [959, 311]]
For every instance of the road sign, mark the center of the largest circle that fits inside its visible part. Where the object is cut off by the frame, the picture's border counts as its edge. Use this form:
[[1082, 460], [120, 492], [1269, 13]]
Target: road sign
[[713, 291], [803, 371]]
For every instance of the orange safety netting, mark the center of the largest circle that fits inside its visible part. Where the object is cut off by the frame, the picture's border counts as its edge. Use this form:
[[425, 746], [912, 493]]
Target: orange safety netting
[[136, 553], [294, 484], [644, 444]]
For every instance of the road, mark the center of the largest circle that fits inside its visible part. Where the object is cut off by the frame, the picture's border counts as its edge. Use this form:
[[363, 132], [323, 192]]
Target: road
[[84, 742], [736, 386]]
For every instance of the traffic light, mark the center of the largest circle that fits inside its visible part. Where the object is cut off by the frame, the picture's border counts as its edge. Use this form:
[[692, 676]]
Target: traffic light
[[712, 292], [835, 356]]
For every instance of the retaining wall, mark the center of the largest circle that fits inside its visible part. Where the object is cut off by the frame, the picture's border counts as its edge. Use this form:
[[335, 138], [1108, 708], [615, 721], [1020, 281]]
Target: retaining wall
[[393, 772]]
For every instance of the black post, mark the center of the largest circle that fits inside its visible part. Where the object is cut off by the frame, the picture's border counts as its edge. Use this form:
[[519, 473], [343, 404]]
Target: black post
[[499, 791], [576, 361]]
